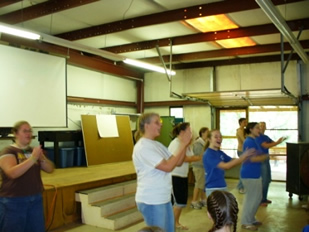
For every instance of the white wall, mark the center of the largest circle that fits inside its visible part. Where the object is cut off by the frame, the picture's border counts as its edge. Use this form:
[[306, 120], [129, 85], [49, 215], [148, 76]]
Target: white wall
[[256, 76], [198, 116], [157, 86], [228, 78], [91, 84]]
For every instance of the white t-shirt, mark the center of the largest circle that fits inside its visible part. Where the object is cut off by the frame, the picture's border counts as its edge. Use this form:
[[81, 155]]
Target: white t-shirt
[[183, 170], [153, 185]]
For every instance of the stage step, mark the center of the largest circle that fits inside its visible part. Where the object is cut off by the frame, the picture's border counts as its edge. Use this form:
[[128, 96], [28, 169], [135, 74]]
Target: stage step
[[107, 192], [111, 207]]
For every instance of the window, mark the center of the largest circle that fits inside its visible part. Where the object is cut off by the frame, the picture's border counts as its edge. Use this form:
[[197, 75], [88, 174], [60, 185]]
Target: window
[[177, 112], [281, 121], [228, 124]]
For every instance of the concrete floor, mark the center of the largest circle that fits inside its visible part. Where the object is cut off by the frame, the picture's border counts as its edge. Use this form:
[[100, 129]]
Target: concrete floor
[[283, 215]]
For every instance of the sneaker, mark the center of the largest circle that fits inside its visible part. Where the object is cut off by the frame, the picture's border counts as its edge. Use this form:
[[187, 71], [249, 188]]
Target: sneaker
[[249, 227], [257, 223], [203, 203], [196, 205], [241, 191], [268, 201]]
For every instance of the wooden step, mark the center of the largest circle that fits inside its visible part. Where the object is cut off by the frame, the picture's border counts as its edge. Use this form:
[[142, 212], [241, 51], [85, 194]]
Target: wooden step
[[125, 218], [106, 192], [111, 207], [115, 205]]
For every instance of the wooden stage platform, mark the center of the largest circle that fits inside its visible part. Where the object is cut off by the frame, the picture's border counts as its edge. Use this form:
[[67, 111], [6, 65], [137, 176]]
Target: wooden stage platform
[[63, 184]]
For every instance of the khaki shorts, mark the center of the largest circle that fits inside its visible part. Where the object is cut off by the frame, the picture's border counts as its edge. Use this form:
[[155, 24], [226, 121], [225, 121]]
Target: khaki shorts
[[199, 175]]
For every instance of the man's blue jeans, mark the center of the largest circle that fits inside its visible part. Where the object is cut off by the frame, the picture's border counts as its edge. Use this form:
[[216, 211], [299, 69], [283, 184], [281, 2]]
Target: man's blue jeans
[[240, 184], [266, 178], [22, 214]]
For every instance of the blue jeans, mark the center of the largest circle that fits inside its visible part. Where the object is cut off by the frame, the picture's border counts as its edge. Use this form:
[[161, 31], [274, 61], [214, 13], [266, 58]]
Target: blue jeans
[[158, 215], [266, 178], [22, 214], [240, 184]]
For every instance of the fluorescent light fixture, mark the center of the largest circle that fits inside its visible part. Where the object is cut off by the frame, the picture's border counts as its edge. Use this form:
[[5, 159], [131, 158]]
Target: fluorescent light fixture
[[236, 43], [274, 15], [19, 32], [212, 23], [14, 30], [148, 66]]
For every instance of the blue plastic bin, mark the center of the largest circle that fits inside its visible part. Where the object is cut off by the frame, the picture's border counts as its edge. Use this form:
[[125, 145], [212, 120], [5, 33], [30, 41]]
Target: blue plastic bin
[[66, 157], [50, 153], [79, 158]]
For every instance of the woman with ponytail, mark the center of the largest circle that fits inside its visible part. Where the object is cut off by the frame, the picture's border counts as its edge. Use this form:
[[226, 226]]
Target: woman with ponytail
[[216, 162], [222, 209], [180, 174], [250, 173], [153, 164]]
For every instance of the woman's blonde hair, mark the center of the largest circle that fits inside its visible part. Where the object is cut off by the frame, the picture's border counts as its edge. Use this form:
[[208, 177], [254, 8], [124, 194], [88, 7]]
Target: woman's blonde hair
[[209, 137], [17, 126], [142, 120]]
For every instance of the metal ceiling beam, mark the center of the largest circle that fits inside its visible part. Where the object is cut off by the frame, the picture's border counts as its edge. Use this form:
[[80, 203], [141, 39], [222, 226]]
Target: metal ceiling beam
[[232, 52], [42, 9], [8, 2], [295, 25], [223, 7]]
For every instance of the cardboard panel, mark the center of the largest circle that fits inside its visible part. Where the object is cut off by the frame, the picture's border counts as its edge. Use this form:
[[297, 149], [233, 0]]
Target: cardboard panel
[[107, 150]]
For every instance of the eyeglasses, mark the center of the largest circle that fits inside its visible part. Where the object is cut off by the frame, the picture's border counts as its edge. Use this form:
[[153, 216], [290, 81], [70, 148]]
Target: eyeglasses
[[27, 131]]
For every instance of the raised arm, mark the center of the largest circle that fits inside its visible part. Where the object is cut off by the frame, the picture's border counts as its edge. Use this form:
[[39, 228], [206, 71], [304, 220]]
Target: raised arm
[[13, 170], [234, 162], [178, 157], [46, 164], [272, 144]]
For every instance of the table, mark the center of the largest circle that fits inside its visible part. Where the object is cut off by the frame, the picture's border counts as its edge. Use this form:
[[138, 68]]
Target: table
[[60, 136]]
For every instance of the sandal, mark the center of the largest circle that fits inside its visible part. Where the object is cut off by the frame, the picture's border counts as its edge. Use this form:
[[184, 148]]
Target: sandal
[[181, 227], [249, 227]]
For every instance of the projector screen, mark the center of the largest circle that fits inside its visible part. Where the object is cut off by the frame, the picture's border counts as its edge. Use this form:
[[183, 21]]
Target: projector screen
[[33, 88]]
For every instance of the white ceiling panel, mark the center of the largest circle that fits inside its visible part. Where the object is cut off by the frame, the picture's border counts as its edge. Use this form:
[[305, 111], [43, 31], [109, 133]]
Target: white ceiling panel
[[249, 18], [294, 11], [141, 54], [176, 4], [53, 24], [139, 34], [19, 5], [196, 47]]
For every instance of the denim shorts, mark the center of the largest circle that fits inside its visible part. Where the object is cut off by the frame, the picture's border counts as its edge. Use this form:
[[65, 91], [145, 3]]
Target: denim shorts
[[158, 215], [22, 214]]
